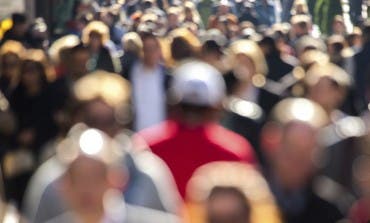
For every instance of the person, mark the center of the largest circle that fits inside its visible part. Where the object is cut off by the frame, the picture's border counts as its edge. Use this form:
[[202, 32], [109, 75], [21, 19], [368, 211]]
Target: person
[[132, 48], [328, 85], [151, 75], [98, 108], [245, 109], [222, 192], [292, 149], [278, 68], [192, 133], [362, 68], [93, 179], [19, 30], [31, 104], [96, 36], [11, 55]]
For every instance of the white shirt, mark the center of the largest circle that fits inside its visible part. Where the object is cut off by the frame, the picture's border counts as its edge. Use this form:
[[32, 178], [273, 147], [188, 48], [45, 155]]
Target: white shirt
[[149, 96]]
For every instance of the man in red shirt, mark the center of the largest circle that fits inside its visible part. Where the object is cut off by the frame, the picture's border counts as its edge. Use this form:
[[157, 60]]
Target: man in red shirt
[[192, 137]]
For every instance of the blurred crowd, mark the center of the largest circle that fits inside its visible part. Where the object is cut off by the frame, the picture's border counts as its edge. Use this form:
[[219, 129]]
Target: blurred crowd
[[185, 111]]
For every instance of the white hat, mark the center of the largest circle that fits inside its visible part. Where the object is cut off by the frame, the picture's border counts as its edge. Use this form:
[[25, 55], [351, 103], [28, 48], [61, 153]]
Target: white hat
[[198, 83]]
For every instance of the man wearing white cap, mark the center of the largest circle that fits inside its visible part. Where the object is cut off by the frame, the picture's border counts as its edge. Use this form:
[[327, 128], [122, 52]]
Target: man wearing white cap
[[192, 136]]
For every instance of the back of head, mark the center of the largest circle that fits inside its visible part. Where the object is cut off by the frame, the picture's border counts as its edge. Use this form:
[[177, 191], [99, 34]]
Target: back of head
[[197, 91], [220, 191]]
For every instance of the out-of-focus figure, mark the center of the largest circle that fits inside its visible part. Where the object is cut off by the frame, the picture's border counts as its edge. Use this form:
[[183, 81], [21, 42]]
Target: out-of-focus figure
[[359, 212], [244, 82], [148, 73], [150, 184], [225, 192], [292, 147], [18, 31], [96, 36], [94, 178], [11, 55], [192, 137], [362, 66]]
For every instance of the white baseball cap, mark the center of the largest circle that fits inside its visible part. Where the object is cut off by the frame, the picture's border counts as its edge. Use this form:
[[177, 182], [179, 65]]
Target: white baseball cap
[[198, 83]]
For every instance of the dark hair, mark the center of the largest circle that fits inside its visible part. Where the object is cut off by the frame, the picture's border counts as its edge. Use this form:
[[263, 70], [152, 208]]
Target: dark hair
[[41, 70], [19, 18], [181, 49], [245, 208], [269, 42]]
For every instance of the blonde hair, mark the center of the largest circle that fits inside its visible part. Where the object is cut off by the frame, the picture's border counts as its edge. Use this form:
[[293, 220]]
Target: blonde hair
[[191, 6], [250, 49], [327, 70], [96, 27], [132, 42], [13, 47], [243, 177]]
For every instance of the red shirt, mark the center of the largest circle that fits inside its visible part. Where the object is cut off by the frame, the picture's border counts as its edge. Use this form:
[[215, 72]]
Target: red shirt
[[184, 149], [360, 212]]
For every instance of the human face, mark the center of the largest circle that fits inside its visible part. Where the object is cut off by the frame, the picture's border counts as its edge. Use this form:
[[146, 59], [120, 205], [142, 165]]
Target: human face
[[294, 161], [86, 184], [226, 208], [244, 69], [326, 93], [152, 52]]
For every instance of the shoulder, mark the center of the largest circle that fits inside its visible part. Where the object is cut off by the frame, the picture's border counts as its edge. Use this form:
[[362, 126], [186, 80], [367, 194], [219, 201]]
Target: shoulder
[[158, 133], [243, 108], [229, 141]]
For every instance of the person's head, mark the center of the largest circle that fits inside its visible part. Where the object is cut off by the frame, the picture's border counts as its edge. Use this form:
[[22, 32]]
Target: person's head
[[173, 17], [229, 192], [11, 54], [300, 7], [354, 39], [327, 85], [95, 35], [184, 44], [20, 24], [102, 101], [132, 43], [301, 25], [227, 205], [212, 48], [94, 165], [190, 13], [336, 45], [290, 141], [269, 47], [33, 73], [338, 26], [247, 61], [79, 57], [59, 51], [306, 43], [197, 91], [223, 7], [151, 51]]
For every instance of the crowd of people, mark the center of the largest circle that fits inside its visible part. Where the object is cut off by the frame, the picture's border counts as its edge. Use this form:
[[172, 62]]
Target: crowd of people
[[185, 111]]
